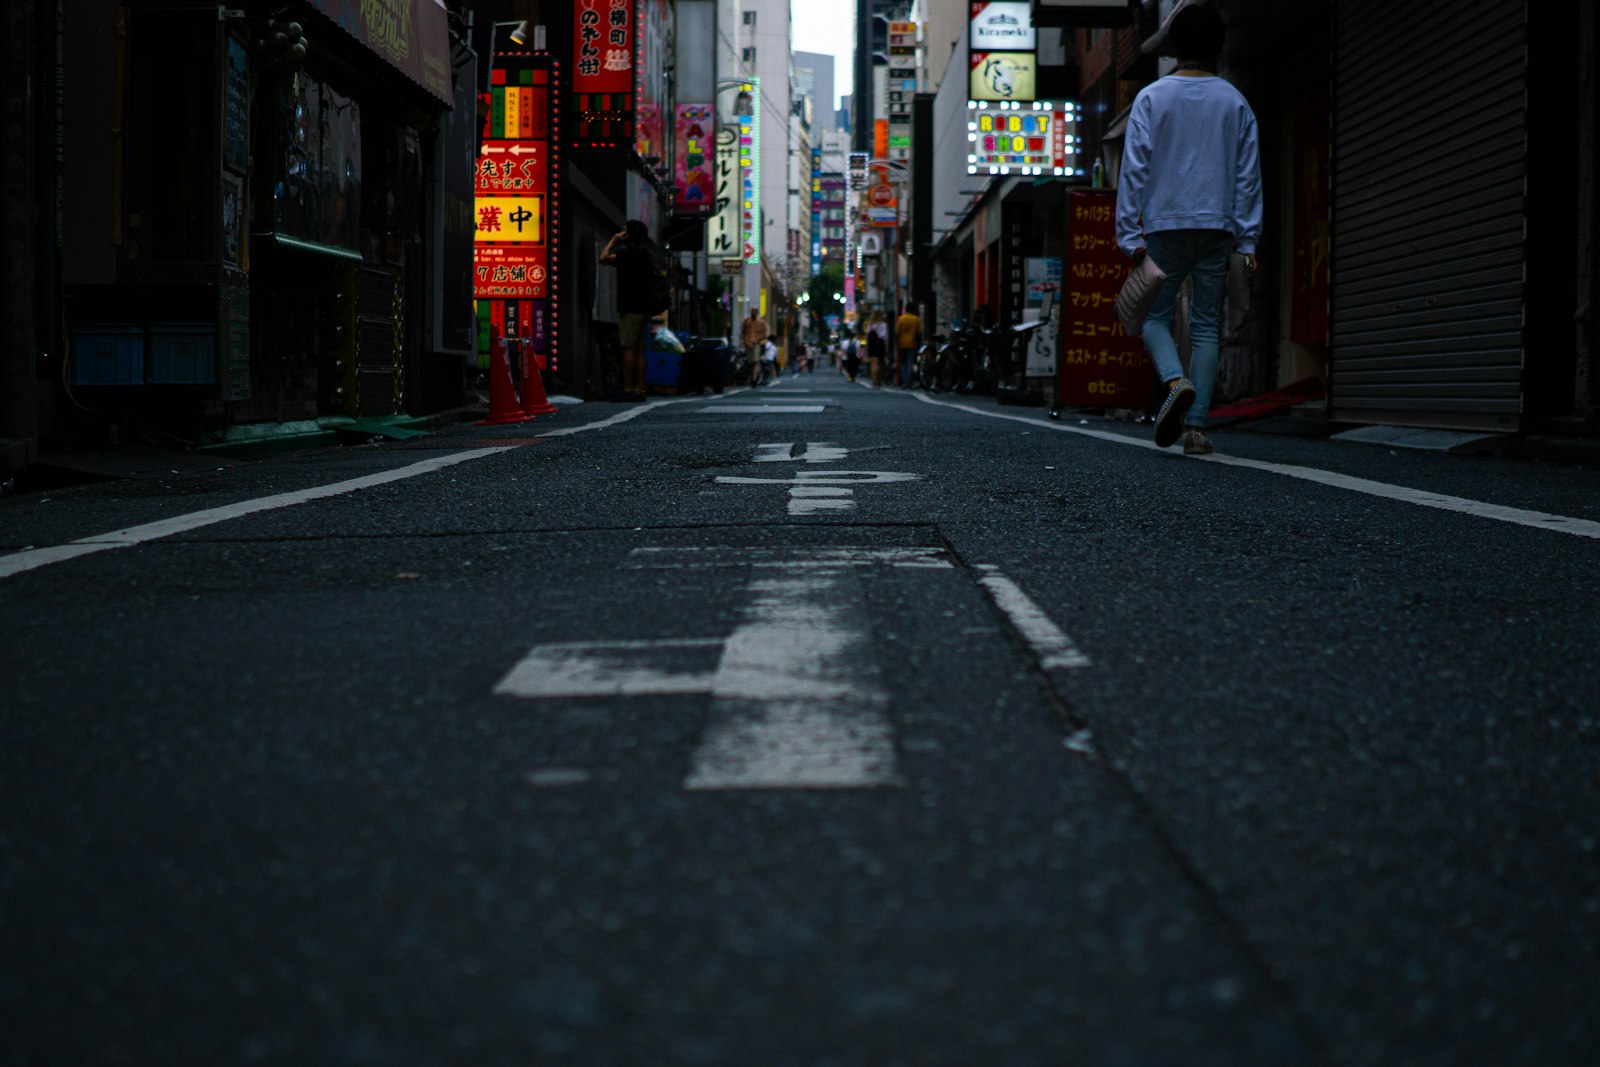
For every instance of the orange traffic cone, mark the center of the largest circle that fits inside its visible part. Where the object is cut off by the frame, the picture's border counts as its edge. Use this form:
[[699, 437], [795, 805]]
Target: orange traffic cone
[[502, 393], [534, 402]]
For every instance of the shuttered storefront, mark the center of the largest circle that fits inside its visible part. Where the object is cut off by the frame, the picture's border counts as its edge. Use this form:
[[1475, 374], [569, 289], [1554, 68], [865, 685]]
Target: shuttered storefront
[[1429, 162]]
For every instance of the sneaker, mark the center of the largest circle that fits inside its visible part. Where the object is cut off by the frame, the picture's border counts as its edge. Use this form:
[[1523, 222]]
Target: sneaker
[[1195, 442], [1169, 420]]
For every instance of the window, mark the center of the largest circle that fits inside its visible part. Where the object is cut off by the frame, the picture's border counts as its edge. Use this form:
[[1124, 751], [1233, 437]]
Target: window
[[749, 18], [748, 55]]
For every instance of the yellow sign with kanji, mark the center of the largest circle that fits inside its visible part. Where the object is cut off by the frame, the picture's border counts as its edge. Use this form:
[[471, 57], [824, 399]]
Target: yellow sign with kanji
[[509, 219]]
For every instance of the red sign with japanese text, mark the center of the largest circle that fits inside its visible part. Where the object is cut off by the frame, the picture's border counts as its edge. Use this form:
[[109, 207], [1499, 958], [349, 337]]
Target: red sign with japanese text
[[514, 206], [604, 50], [1098, 365]]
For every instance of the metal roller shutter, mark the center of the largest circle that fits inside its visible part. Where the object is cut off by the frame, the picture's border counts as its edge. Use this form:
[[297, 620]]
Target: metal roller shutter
[[1429, 159]]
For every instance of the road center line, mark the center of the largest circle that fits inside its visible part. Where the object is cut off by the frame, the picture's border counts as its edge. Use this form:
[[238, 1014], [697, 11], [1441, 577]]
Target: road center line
[[1540, 520]]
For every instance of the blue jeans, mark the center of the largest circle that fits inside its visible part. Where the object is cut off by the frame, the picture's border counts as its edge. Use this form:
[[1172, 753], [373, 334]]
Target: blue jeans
[[1181, 253]]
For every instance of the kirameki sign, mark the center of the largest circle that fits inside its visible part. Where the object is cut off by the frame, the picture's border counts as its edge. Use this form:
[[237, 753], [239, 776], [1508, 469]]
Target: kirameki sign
[[1001, 26]]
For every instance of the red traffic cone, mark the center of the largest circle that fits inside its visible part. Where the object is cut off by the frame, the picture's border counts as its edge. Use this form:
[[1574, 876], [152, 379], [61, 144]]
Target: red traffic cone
[[502, 393], [534, 402]]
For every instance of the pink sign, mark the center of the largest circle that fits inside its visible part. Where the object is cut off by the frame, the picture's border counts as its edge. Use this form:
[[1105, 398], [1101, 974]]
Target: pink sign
[[695, 186]]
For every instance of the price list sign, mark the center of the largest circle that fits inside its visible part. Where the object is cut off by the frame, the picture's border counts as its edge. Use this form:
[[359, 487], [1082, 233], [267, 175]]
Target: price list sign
[[1099, 365]]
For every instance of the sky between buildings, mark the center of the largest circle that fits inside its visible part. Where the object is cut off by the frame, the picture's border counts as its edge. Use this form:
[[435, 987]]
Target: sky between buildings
[[827, 27]]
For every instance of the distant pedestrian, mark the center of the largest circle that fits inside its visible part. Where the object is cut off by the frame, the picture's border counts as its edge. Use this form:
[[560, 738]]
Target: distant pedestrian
[[907, 336], [1189, 196], [753, 335], [629, 252], [877, 347], [851, 350]]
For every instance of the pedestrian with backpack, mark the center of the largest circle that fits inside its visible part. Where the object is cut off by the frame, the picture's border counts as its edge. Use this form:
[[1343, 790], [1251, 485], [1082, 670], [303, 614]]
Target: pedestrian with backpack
[[1189, 197]]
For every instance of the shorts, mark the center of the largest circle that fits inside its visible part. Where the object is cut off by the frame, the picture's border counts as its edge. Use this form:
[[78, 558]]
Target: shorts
[[633, 329]]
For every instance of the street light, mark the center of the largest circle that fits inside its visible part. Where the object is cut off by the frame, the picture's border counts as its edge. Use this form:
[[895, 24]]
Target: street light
[[518, 35]]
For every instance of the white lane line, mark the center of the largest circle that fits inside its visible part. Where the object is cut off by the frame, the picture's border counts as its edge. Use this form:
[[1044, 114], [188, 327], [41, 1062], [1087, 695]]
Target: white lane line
[[18, 562], [30, 559], [1540, 520], [1053, 646], [795, 708]]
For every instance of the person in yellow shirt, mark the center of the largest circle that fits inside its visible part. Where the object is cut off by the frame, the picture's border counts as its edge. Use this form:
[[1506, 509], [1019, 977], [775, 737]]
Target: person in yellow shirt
[[907, 336]]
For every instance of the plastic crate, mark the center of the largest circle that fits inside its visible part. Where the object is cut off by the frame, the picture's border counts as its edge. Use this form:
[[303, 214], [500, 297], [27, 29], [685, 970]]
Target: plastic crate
[[662, 368], [182, 353], [108, 355]]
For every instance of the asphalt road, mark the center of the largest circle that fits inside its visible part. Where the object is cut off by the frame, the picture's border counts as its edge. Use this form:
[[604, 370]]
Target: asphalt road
[[808, 725]]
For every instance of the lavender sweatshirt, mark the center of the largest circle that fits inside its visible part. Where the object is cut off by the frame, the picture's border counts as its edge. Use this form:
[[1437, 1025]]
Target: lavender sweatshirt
[[1190, 162]]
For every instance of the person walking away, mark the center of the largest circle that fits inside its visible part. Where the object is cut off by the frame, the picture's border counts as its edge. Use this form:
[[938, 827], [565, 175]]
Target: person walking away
[[1188, 197], [769, 357], [852, 357], [908, 335], [629, 252], [877, 347], [752, 334]]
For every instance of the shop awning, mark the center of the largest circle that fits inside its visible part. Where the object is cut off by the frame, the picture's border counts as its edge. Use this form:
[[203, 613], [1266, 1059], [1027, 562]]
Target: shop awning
[[1119, 125], [412, 36]]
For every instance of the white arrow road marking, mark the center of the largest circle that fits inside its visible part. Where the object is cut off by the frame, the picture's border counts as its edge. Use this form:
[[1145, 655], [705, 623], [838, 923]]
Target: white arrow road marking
[[792, 710], [796, 700], [763, 409], [815, 452], [789, 559], [805, 493]]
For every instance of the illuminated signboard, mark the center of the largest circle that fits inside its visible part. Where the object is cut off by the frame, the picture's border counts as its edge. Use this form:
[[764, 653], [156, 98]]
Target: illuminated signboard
[[750, 172], [1002, 26], [1002, 76], [1033, 138], [514, 205], [694, 183]]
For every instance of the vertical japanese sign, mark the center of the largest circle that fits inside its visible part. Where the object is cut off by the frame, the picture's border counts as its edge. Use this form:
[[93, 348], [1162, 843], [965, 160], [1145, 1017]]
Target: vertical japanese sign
[[514, 205], [650, 89], [694, 165], [750, 173], [603, 72], [816, 211], [901, 87], [1099, 365], [725, 240]]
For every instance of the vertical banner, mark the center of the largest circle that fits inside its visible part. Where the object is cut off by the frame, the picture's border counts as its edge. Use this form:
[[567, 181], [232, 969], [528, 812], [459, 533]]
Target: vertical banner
[[514, 204], [1099, 365], [694, 183], [603, 48], [724, 241]]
